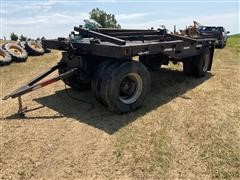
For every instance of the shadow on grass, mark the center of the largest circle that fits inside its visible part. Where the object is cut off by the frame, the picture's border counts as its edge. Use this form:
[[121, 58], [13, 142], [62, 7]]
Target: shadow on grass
[[17, 116], [166, 85]]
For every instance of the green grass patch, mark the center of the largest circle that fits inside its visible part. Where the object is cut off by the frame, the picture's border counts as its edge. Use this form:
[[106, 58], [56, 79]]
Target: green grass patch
[[234, 41]]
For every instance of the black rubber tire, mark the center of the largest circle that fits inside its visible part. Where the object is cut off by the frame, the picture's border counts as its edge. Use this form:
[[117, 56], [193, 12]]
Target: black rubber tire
[[152, 63], [201, 63], [104, 83], [46, 50], [2, 45], [22, 44], [34, 48], [188, 67], [17, 52], [222, 45], [5, 57], [97, 79], [112, 79], [74, 81]]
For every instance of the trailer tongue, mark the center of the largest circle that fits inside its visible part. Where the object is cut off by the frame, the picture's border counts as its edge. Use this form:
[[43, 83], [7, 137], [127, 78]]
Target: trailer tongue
[[102, 60], [34, 85]]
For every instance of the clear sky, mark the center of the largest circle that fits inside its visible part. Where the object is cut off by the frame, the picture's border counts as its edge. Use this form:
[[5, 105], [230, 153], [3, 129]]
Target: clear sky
[[54, 18]]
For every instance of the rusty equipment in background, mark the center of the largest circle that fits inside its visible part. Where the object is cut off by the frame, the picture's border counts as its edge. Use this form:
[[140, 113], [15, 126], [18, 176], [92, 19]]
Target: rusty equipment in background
[[191, 31]]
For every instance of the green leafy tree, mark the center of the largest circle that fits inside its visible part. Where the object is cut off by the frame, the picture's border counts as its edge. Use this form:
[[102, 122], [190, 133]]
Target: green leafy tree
[[23, 38], [99, 18], [90, 24], [13, 36]]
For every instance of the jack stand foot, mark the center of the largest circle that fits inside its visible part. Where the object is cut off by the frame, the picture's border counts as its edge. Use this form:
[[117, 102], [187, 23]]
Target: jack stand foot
[[21, 115]]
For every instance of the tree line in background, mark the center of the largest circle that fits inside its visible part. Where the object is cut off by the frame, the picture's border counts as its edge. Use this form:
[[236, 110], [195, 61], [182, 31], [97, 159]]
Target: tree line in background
[[98, 19], [14, 37]]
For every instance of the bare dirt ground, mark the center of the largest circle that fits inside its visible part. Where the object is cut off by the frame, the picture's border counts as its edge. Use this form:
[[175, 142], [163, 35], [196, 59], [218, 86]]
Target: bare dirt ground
[[187, 129]]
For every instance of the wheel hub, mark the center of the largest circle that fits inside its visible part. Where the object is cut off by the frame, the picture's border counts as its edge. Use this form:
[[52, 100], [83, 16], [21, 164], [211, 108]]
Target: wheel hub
[[127, 87], [35, 46], [16, 50], [130, 88]]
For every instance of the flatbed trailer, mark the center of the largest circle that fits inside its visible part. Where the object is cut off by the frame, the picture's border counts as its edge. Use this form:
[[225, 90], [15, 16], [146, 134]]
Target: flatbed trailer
[[115, 63]]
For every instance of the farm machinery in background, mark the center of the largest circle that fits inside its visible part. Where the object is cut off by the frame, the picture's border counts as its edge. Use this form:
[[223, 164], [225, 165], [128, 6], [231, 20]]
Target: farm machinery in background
[[198, 30], [191, 31]]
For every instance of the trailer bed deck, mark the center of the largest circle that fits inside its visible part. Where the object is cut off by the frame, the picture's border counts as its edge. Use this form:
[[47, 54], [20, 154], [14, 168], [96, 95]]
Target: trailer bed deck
[[174, 48]]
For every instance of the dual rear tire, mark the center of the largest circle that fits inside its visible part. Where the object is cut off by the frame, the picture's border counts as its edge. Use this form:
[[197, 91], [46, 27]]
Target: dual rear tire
[[198, 65], [121, 85]]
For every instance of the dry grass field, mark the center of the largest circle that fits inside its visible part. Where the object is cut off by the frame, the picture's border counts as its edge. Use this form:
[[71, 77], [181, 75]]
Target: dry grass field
[[187, 129]]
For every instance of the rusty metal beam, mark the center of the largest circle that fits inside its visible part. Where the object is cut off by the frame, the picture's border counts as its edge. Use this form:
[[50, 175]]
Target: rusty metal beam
[[100, 36], [141, 37], [174, 36]]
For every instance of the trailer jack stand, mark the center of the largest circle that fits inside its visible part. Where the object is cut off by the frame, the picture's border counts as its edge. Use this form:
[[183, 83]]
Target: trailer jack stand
[[21, 109]]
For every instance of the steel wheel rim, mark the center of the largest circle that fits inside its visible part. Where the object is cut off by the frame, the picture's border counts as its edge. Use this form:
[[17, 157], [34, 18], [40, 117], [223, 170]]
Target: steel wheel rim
[[35, 45], [206, 63], [130, 94], [16, 50]]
